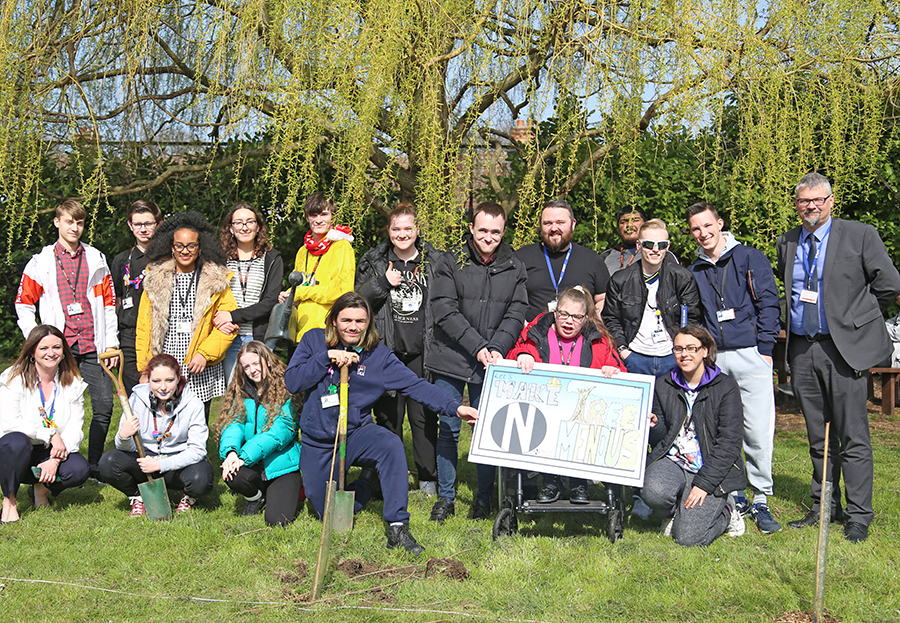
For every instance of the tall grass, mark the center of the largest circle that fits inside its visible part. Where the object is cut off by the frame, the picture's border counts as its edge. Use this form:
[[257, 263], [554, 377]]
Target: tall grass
[[85, 560]]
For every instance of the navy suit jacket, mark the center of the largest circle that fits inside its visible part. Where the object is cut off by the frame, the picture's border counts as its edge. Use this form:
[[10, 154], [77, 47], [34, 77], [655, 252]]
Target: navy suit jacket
[[859, 281]]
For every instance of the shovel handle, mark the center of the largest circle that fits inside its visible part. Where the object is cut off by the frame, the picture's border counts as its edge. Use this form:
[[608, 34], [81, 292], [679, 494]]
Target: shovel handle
[[120, 392], [342, 426]]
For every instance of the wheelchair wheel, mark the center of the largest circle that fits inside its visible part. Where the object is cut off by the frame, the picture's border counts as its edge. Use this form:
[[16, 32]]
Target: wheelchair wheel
[[505, 524]]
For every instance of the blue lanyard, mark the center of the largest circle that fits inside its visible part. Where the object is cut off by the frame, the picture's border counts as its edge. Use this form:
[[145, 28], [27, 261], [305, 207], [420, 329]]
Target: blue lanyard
[[808, 265], [48, 419], [550, 268]]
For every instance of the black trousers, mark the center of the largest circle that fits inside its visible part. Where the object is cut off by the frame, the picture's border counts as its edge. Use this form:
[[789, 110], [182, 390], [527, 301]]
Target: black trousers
[[828, 389], [130, 374], [18, 456], [101, 391], [282, 493], [121, 470], [423, 423]]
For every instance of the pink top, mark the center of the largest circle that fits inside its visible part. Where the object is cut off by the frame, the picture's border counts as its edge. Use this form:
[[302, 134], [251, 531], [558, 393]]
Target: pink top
[[564, 352]]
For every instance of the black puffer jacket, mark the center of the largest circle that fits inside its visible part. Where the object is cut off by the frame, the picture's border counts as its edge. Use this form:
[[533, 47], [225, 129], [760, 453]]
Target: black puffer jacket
[[626, 298], [719, 423], [371, 283], [476, 305]]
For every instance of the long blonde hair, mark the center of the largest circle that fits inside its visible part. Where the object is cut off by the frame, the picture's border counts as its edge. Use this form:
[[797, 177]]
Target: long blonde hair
[[272, 397]]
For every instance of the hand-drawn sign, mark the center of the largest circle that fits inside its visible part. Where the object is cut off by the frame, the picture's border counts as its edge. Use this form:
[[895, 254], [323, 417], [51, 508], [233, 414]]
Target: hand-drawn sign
[[564, 420]]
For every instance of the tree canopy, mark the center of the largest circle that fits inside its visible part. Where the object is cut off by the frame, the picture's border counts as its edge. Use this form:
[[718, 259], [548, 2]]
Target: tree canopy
[[378, 100]]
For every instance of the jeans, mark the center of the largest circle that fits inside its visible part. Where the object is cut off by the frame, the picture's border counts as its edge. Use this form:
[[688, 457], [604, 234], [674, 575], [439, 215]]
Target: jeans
[[654, 366], [448, 444]]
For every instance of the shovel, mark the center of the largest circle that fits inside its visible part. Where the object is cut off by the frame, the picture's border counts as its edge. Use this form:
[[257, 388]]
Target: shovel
[[327, 526], [343, 500], [153, 492], [824, 523]]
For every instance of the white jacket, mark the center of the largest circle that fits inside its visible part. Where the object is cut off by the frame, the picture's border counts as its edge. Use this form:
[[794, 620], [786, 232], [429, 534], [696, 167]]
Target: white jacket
[[38, 286], [20, 412]]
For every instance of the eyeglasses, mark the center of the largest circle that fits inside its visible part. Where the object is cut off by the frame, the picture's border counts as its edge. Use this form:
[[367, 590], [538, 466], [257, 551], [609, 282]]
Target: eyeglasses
[[662, 245], [147, 225], [691, 348], [191, 246], [249, 223], [819, 201], [563, 315]]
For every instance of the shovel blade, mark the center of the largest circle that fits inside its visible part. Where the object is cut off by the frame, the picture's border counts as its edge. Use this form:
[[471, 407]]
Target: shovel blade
[[156, 500], [343, 511]]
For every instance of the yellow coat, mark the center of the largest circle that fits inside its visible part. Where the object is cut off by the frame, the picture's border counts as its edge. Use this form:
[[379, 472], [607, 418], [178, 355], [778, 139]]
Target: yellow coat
[[334, 276], [213, 295]]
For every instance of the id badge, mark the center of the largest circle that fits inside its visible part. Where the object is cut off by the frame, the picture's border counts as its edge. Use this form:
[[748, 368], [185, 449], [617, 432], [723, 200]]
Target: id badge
[[809, 296], [551, 306], [330, 400], [127, 302], [659, 336], [408, 305], [73, 309], [184, 327], [725, 314]]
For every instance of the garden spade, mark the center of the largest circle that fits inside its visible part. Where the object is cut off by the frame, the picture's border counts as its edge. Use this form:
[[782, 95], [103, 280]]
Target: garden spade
[[327, 526], [343, 500], [153, 492], [824, 523]]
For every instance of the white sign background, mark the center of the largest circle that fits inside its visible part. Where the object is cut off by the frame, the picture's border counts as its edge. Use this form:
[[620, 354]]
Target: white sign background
[[564, 420]]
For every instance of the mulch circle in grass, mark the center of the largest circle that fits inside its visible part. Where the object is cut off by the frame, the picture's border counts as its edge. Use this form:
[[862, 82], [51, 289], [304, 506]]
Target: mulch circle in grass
[[804, 617]]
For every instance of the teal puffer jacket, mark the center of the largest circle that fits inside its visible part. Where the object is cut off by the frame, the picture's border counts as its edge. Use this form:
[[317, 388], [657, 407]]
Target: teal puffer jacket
[[278, 447]]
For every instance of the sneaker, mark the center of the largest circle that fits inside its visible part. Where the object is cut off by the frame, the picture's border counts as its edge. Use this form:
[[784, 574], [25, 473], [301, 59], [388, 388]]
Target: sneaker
[[137, 507], [764, 520], [550, 493], [667, 525], [429, 487], [254, 507], [481, 509], [736, 525], [185, 504], [442, 509], [399, 536], [579, 495], [742, 505], [640, 508]]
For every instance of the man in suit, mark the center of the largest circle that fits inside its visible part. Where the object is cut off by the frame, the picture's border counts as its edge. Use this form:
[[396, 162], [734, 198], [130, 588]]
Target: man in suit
[[839, 278]]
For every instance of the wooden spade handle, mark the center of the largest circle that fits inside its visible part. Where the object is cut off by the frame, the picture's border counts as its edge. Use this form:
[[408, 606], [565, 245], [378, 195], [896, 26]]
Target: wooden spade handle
[[120, 392]]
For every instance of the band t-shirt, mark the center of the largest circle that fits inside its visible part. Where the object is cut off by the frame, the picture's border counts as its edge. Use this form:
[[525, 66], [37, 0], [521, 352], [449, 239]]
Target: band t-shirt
[[408, 305], [585, 268]]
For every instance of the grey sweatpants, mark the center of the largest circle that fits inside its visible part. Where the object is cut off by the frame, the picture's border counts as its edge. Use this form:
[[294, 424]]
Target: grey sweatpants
[[666, 487], [754, 377]]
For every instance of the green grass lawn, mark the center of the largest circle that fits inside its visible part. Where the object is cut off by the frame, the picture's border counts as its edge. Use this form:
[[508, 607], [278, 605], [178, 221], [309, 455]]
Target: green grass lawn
[[86, 560]]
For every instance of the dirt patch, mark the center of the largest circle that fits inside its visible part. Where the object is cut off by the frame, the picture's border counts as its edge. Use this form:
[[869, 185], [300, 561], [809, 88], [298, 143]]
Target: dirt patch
[[804, 617], [354, 568], [378, 598], [446, 567], [294, 578]]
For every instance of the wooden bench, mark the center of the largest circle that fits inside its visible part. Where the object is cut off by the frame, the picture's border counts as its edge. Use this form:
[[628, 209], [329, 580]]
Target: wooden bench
[[889, 378]]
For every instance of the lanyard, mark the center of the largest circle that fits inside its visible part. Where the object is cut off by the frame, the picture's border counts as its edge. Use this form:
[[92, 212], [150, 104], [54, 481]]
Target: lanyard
[[183, 300], [715, 285], [73, 286], [136, 282], [46, 418], [242, 277], [310, 276], [810, 263], [550, 268], [622, 263], [562, 356], [158, 436]]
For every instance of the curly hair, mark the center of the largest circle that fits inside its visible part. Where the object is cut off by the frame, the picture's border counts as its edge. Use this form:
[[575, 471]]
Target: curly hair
[[160, 247], [272, 397], [24, 366], [226, 238]]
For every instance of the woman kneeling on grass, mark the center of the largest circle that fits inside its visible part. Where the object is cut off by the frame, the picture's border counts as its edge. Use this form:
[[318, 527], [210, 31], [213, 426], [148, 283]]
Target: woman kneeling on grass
[[349, 339], [170, 419], [572, 335], [41, 420], [259, 444], [696, 438]]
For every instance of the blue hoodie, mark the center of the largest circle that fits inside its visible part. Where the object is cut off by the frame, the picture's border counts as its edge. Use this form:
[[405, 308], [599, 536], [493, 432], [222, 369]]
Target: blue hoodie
[[378, 371], [744, 278]]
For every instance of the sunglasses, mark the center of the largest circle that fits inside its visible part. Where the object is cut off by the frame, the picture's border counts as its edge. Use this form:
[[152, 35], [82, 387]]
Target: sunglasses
[[662, 245]]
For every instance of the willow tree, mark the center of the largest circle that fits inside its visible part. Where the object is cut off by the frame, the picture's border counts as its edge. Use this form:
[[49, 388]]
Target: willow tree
[[417, 97]]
